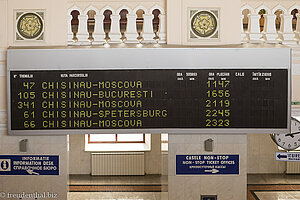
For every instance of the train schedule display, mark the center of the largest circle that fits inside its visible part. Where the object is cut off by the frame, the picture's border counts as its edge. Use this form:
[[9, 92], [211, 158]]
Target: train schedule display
[[215, 99]]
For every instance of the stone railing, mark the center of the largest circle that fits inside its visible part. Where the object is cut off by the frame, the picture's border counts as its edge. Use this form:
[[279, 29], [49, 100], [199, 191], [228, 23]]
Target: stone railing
[[124, 25], [271, 25], [276, 24]]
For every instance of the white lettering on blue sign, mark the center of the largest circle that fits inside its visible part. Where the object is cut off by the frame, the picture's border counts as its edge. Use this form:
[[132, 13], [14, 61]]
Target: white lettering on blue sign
[[29, 165], [207, 164], [287, 156]]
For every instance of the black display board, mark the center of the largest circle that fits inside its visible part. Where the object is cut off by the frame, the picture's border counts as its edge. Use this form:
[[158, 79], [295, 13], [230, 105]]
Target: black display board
[[149, 99]]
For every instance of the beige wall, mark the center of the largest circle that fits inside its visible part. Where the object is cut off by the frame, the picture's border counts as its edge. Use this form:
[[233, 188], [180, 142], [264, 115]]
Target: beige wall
[[178, 23], [55, 21], [37, 145], [3, 22], [153, 164], [295, 88], [79, 160], [3, 46], [2, 93], [261, 155]]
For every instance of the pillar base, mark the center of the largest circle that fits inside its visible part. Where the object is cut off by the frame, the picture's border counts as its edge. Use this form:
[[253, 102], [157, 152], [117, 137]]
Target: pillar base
[[115, 37], [83, 38], [70, 37], [244, 38], [271, 38], [255, 37], [162, 37], [148, 37], [131, 37], [99, 38], [288, 38]]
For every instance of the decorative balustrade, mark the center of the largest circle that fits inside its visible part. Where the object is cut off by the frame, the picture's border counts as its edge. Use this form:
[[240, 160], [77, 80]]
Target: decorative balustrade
[[94, 26], [276, 25], [106, 25]]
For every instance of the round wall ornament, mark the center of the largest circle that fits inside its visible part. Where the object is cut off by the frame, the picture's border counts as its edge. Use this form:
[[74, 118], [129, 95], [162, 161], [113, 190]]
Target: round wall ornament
[[204, 24], [30, 25]]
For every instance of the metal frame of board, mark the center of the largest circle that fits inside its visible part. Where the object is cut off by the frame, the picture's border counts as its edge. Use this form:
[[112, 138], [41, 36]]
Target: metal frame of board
[[20, 59]]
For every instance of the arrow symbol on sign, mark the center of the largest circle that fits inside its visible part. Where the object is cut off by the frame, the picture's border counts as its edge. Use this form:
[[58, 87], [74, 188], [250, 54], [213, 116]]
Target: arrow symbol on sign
[[31, 172], [279, 156], [213, 171]]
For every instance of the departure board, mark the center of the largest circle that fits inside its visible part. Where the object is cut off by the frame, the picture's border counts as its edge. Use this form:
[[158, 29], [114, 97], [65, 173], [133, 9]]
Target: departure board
[[149, 99]]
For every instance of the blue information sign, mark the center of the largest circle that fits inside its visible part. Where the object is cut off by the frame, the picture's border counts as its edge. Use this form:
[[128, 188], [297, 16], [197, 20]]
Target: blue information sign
[[207, 164], [29, 165]]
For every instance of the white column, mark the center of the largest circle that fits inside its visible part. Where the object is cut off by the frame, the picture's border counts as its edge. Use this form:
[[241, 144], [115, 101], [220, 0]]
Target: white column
[[115, 33], [254, 27], [270, 31], [244, 37], [297, 31], [148, 33], [82, 34], [298, 23], [70, 33], [162, 31], [99, 30], [286, 29], [131, 32], [242, 23]]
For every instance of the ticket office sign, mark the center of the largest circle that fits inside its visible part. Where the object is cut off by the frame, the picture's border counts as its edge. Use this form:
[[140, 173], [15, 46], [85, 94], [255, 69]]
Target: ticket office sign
[[153, 99], [207, 164]]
